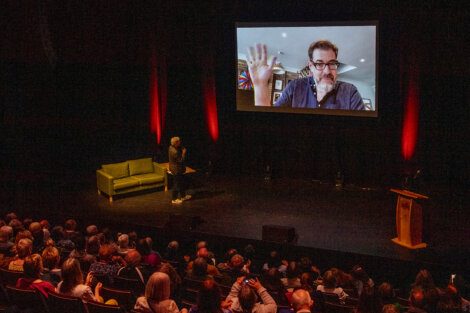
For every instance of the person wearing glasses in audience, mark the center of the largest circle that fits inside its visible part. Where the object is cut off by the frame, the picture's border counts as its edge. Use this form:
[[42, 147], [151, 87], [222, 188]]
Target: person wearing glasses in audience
[[320, 90]]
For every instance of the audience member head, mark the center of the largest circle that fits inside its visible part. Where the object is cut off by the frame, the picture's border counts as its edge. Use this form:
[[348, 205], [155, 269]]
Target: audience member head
[[45, 224], [200, 267], [208, 300], [367, 301], [79, 242], [24, 248], [57, 233], [307, 281], [23, 234], [424, 280], [305, 264], [249, 251], [417, 298], [247, 298], [32, 266], [358, 273], [237, 262], [36, 229], [133, 239], [301, 300], [5, 233], [16, 225], [71, 275], [450, 300], [202, 253], [106, 253], [201, 244], [228, 255], [91, 230], [70, 225], [272, 279], [10, 216], [292, 270], [123, 241], [133, 258], [50, 257], [390, 308], [158, 287], [329, 280], [26, 222], [143, 247], [93, 245], [386, 294], [274, 260]]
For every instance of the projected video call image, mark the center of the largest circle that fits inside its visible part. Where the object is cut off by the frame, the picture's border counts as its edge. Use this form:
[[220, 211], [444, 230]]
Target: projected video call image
[[307, 69]]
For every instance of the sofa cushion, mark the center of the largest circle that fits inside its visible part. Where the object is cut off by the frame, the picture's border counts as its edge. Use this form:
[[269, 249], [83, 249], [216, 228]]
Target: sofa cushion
[[117, 170], [125, 182], [149, 178], [140, 166]]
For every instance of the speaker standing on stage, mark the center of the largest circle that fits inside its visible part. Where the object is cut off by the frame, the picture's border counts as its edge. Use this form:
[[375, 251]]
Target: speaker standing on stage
[[177, 156]]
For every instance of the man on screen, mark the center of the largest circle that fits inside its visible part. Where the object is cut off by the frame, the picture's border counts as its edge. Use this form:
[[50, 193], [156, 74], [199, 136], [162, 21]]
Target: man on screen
[[321, 90]]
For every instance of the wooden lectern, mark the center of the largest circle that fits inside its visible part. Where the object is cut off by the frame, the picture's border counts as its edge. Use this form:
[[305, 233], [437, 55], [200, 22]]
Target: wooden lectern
[[409, 219]]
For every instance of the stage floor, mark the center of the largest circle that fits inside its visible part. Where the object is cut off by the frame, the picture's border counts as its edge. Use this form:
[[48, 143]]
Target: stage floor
[[353, 219]]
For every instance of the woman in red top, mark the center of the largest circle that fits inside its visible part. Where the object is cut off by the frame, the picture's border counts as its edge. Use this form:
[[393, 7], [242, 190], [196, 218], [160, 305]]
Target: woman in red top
[[32, 269]]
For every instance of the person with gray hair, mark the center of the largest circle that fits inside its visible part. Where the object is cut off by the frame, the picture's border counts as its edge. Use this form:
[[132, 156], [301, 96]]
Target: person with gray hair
[[301, 301], [176, 159]]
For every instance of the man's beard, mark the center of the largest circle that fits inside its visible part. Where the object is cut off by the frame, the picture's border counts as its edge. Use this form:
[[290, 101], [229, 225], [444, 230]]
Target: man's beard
[[325, 86]]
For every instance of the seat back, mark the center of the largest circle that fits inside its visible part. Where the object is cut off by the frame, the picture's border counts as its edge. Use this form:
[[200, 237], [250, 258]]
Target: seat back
[[96, 307], [8, 277], [135, 285], [61, 303], [338, 308], [26, 299], [331, 297], [123, 297]]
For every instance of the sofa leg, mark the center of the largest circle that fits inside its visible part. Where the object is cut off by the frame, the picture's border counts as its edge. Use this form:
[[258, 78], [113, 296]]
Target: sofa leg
[[166, 187], [99, 192], [110, 199]]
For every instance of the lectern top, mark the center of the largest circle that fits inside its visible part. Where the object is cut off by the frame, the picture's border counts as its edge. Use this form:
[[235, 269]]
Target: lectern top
[[409, 194]]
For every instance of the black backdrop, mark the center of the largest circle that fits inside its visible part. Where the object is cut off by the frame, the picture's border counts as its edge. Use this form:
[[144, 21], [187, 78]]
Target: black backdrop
[[91, 107]]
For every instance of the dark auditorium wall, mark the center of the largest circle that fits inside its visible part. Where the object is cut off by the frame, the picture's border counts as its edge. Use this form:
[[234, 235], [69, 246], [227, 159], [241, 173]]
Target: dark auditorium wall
[[63, 121]]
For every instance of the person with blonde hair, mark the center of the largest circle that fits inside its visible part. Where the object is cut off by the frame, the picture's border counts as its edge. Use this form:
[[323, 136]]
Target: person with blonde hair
[[32, 272], [157, 296], [72, 282], [24, 248]]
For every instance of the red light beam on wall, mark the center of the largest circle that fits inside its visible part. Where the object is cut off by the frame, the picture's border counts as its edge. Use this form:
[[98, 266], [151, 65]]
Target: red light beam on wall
[[158, 96], [210, 101], [411, 117]]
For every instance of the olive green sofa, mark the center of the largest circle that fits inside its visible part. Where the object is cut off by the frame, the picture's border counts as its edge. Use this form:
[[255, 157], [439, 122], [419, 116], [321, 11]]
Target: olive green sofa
[[129, 176]]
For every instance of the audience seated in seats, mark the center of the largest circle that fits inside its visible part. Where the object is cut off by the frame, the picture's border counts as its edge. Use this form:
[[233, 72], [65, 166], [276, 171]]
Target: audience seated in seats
[[343, 279], [32, 271], [6, 244], [386, 295], [51, 260], [307, 282], [63, 243], [329, 285], [227, 257], [91, 230], [360, 279], [175, 279], [306, 266], [462, 287], [172, 252], [291, 281], [209, 299], [93, 245], [235, 268], [72, 282], [274, 260], [301, 301], [149, 257], [273, 284], [134, 268], [245, 297], [38, 237], [24, 248], [450, 301], [108, 262], [123, 244], [81, 252], [425, 281], [199, 269], [417, 301], [249, 253], [9, 217], [157, 296], [204, 253], [70, 228], [16, 225]]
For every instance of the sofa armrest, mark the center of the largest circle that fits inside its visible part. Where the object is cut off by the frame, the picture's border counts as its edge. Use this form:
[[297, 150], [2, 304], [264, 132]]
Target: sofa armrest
[[161, 170], [104, 181]]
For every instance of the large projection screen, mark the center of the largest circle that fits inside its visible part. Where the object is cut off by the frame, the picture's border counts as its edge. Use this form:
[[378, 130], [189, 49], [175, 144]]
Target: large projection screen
[[346, 85]]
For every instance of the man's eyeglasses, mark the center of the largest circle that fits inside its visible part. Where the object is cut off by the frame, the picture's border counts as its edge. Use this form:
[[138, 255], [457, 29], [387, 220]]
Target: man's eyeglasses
[[331, 65]]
